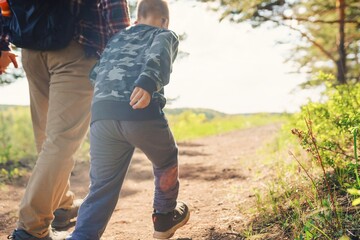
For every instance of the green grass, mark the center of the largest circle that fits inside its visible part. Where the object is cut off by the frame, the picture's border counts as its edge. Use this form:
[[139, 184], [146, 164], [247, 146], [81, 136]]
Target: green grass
[[17, 148], [190, 124]]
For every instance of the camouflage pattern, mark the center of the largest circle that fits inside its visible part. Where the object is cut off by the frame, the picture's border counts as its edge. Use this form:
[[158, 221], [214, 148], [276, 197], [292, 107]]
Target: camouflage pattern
[[141, 56]]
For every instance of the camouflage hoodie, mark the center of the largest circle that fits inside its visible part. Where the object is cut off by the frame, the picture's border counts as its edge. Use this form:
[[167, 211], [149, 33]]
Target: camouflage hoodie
[[140, 56]]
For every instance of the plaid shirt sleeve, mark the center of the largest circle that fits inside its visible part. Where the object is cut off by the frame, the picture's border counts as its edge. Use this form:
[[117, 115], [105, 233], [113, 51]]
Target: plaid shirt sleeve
[[99, 21], [115, 14]]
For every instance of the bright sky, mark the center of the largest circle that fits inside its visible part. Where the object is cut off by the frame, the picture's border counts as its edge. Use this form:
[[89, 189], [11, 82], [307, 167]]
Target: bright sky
[[230, 67]]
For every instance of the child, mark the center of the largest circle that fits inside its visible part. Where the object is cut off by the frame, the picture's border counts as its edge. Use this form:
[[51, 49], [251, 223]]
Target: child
[[127, 113]]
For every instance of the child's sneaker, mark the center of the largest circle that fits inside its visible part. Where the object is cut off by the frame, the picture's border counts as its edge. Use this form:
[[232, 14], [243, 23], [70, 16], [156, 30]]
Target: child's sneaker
[[63, 217], [165, 225]]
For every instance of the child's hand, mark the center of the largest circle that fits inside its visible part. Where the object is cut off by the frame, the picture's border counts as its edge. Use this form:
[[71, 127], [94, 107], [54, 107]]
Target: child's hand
[[6, 58], [139, 98]]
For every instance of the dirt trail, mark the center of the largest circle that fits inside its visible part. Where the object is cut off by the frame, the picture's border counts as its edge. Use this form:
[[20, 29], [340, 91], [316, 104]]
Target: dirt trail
[[217, 175]]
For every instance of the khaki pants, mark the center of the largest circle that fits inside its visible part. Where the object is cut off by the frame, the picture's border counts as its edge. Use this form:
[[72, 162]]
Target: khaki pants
[[60, 98]]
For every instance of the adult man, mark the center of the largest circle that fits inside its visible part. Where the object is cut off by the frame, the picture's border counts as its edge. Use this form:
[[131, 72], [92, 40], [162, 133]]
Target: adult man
[[60, 97]]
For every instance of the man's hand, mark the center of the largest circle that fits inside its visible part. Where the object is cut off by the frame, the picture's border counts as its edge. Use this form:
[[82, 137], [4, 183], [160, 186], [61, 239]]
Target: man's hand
[[6, 58], [139, 98]]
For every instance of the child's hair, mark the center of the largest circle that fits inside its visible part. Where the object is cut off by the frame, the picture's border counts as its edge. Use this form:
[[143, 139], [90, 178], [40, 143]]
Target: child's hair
[[152, 7]]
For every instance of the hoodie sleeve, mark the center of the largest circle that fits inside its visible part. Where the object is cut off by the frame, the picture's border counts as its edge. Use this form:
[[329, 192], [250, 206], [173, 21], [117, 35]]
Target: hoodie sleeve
[[158, 63]]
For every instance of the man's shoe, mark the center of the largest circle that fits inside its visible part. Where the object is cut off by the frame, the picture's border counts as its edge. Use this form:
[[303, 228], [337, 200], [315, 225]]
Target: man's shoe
[[165, 225], [63, 217], [23, 235]]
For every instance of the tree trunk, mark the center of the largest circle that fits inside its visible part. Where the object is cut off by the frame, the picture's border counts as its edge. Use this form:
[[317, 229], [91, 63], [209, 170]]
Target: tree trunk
[[341, 62]]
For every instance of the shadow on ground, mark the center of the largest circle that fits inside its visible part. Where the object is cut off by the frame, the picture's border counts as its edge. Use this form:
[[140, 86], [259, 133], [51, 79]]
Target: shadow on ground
[[199, 171]]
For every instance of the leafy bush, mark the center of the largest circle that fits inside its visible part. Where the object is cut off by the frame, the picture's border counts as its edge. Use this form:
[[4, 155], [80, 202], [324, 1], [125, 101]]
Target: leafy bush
[[333, 125], [321, 207], [330, 137]]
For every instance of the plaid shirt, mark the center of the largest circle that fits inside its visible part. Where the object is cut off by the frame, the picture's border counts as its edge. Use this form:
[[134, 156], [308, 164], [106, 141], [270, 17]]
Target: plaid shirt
[[98, 21]]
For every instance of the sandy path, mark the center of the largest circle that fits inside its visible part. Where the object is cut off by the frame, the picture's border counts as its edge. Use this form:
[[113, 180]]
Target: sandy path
[[217, 175]]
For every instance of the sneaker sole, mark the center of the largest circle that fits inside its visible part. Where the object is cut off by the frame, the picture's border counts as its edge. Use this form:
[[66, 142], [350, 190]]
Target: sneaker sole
[[59, 225], [169, 233]]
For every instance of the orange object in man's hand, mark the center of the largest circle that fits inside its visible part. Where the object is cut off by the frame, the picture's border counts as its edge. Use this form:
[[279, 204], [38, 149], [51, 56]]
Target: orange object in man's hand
[[5, 9]]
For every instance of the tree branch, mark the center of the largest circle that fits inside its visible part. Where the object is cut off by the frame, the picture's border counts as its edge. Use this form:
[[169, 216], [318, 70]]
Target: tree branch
[[319, 21], [318, 45]]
